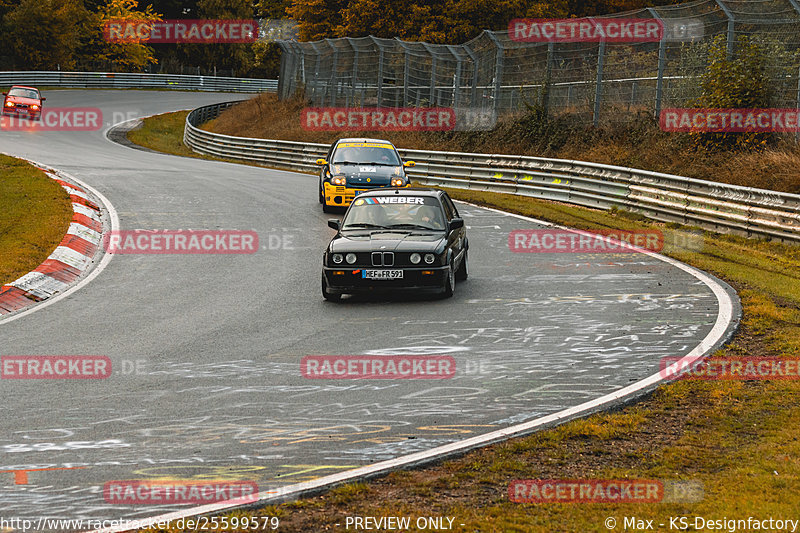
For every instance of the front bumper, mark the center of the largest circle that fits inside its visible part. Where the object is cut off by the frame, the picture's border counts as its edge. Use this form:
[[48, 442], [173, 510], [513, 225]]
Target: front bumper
[[347, 279], [342, 196], [21, 112]]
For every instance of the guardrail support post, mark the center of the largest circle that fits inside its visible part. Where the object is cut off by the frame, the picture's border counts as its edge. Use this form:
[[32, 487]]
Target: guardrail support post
[[598, 89]]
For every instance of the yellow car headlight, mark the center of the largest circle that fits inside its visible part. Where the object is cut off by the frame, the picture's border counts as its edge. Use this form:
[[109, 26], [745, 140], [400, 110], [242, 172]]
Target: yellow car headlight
[[397, 182], [338, 180]]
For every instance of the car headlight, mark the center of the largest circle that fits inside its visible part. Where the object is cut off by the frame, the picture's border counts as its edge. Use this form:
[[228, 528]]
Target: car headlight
[[34, 107], [350, 258], [397, 182], [9, 104], [337, 258], [430, 258], [416, 258], [339, 180]]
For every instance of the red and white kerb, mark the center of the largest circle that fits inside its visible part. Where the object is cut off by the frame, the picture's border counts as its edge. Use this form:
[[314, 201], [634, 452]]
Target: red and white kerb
[[67, 262]]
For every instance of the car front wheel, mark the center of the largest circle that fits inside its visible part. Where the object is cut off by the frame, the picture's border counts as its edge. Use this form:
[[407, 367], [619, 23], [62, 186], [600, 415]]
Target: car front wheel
[[449, 282], [462, 272]]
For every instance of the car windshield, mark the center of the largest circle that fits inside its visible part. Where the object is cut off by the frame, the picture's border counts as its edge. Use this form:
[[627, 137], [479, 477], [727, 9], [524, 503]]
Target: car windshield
[[395, 212], [366, 154], [24, 93]]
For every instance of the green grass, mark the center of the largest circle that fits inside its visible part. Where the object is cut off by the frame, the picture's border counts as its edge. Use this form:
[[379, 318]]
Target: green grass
[[34, 216], [163, 133], [741, 440]]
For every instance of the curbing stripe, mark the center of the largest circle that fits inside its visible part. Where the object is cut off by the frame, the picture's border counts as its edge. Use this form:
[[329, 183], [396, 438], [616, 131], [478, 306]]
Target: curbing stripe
[[68, 261]]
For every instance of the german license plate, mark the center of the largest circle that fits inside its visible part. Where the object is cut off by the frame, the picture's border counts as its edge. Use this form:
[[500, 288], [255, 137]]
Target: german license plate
[[382, 274]]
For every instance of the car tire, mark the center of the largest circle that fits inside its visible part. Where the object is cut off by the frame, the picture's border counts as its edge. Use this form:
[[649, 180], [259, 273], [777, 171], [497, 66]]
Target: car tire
[[462, 273], [449, 282], [331, 297], [321, 196], [327, 208]]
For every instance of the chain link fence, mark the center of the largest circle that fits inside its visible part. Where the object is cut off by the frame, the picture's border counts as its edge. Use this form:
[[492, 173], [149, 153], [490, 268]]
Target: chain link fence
[[494, 74]]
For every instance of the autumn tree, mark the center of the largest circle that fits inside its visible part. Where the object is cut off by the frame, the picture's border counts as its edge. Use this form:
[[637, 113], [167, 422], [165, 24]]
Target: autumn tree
[[127, 56], [46, 34]]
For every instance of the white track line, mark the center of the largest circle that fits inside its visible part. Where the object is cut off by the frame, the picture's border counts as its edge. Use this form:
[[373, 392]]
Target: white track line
[[717, 333]]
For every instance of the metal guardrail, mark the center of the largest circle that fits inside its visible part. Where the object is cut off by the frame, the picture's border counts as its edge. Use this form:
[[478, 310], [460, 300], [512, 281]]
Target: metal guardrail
[[118, 80], [663, 197]]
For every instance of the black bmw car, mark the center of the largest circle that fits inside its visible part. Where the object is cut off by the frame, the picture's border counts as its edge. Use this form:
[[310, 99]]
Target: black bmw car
[[396, 239]]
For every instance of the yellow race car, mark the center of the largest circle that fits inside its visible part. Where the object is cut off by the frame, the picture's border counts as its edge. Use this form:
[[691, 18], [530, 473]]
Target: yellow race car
[[354, 166]]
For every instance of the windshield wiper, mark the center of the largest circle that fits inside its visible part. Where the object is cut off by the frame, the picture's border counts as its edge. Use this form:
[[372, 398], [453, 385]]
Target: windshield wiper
[[414, 226], [345, 163], [381, 164], [362, 225]]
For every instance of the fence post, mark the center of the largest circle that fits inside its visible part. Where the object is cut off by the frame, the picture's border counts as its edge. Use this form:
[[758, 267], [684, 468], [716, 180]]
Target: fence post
[[457, 78], [548, 73], [405, 71], [474, 58], [598, 89], [333, 84], [432, 101], [662, 61], [731, 36], [498, 69], [354, 75], [797, 132], [318, 95], [380, 71], [287, 58]]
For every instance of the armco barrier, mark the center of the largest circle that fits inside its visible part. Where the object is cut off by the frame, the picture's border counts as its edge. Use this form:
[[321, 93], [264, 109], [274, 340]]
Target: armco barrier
[[664, 197], [121, 80]]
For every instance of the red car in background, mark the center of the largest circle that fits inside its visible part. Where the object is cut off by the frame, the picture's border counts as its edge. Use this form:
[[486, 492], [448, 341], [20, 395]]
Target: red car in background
[[23, 101]]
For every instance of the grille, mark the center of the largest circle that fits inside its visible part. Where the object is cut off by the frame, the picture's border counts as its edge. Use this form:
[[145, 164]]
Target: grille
[[382, 258]]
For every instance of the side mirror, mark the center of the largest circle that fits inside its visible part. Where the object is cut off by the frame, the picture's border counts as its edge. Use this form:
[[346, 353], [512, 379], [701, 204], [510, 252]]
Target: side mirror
[[456, 223], [43, 98], [321, 162], [409, 164], [334, 223]]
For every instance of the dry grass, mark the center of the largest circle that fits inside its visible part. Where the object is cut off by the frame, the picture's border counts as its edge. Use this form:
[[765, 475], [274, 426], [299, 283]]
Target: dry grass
[[639, 145], [34, 216]]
